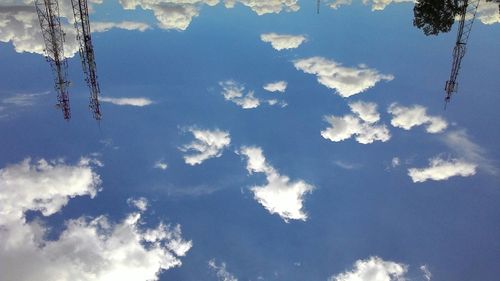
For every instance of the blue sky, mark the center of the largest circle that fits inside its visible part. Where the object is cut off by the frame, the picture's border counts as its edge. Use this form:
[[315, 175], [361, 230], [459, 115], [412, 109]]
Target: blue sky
[[345, 168]]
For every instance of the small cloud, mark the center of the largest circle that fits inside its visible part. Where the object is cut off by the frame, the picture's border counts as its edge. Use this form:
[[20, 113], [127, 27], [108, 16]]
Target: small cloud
[[278, 86], [266, 7], [427, 273], [235, 92], [207, 144], [395, 162], [221, 271], [440, 169], [279, 195], [283, 41], [416, 115], [347, 166], [160, 164], [373, 269], [362, 125], [126, 25], [140, 203], [347, 81], [140, 102]]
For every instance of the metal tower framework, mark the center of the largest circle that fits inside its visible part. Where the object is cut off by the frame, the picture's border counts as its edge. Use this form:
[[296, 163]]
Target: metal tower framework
[[82, 25], [467, 14], [53, 37]]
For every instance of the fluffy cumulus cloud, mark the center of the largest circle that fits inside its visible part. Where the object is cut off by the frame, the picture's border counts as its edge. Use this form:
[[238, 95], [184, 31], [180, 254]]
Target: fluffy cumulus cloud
[[416, 115], [283, 41], [279, 195], [207, 144], [440, 169], [347, 81], [363, 125], [221, 271], [278, 86], [19, 25], [171, 14], [261, 7], [140, 102], [86, 249], [373, 269]]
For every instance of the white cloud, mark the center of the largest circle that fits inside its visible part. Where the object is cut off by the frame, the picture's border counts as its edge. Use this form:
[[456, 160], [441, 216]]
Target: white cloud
[[171, 14], [488, 12], [207, 144], [140, 102], [126, 25], [416, 115], [261, 7], [461, 143], [347, 81], [160, 164], [373, 269], [86, 249], [395, 162], [283, 41], [278, 195], [221, 271], [23, 99], [278, 86], [377, 5], [363, 125], [440, 169], [140, 203], [19, 25], [427, 273], [367, 111], [235, 92], [347, 166]]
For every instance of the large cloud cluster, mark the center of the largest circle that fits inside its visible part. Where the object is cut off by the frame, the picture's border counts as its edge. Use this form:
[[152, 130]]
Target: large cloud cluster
[[19, 25], [362, 125], [171, 14], [279, 195], [87, 249], [347, 81]]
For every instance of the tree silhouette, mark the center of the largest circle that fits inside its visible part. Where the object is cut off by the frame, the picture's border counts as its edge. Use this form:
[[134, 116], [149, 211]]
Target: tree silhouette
[[435, 16]]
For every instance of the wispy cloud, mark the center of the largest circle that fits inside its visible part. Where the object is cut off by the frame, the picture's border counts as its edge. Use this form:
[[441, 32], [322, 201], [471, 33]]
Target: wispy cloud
[[139, 101], [440, 169]]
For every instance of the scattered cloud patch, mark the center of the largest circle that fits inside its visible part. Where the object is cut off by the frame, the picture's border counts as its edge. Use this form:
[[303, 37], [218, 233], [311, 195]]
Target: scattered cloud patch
[[427, 273], [278, 86], [140, 203], [23, 100], [86, 249], [221, 271], [416, 115], [266, 7], [283, 41], [488, 12], [461, 143], [347, 166], [140, 102], [160, 164], [373, 269], [395, 162], [440, 169], [207, 144], [279, 195], [235, 92], [362, 125], [377, 5], [346, 81], [125, 25]]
